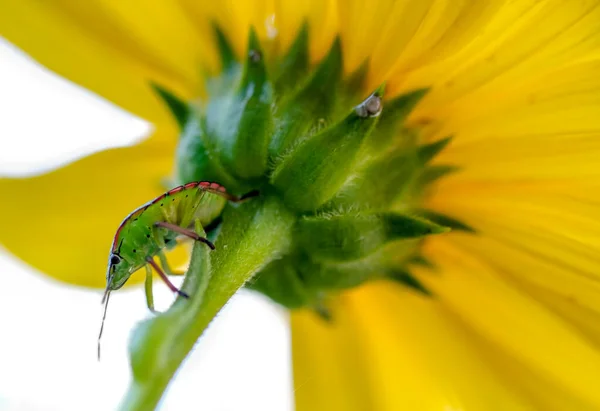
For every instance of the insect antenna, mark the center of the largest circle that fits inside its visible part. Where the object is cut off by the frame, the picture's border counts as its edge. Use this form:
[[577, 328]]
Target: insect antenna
[[105, 302], [106, 290]]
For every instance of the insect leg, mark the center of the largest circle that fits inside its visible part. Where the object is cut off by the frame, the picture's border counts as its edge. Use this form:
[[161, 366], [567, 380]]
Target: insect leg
[[166, 266], [184, 231], [235, 199], [149, 292], [164, 277]]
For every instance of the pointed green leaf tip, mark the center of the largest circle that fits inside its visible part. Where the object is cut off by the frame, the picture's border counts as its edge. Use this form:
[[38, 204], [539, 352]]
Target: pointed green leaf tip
[[179, 108], [282, 282], [446, 221], [428, 151], [317, 168], [239, 122], [254, 68], [345, 237], [408, 280], [380, 183], [400, 107], [308, 104], [355, 83], [392, 120], [225, 50], [294, 66], [422, 261], [196, 160], [435, 172]]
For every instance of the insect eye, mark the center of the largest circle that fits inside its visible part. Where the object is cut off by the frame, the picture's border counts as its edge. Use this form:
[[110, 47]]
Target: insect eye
[[115, 259]]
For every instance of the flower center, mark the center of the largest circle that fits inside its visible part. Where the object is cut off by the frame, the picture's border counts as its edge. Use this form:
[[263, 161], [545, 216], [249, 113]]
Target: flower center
[[341, 162]]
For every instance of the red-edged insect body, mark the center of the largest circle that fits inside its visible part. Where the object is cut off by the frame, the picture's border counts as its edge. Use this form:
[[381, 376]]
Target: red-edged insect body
[[155, 226]]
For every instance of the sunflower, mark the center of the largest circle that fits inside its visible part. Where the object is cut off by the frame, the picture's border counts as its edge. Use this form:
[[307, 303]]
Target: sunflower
[[373, 128]]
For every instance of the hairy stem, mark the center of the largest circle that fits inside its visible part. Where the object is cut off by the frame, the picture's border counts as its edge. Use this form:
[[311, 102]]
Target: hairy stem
[[252, 235]]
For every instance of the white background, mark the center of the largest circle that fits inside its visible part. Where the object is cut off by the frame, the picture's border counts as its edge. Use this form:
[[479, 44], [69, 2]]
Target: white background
[[48, 330]]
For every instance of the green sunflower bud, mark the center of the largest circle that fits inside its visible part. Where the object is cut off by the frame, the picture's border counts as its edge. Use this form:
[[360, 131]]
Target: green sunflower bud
[[336, 171]]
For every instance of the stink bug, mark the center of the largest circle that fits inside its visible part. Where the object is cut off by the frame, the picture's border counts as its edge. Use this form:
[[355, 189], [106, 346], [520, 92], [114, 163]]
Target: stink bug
[[155, 226]]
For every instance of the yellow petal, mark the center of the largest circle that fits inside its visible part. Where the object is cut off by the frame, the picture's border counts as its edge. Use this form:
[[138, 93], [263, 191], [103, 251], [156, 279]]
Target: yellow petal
[[62, 223], [540, 237], [430, 32], [112, 48], [521, 38], [322, 19], [234, 18], [331, 367], [541, 391], [529, 183], [388, 349], [557, 106], [514, 322]]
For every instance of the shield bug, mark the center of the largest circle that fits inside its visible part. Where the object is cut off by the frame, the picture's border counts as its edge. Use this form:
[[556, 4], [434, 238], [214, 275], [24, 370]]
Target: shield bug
[[150, 229]]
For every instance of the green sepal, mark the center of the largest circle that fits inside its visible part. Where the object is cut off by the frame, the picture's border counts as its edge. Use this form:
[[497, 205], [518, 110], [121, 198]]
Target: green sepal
[[296, 281], [353, 87], [295, 64], [430, 150], [229, 77], [380, 183], [317, 168], [323, 311], [196, 162], [356, 81], [421, 261], [281, 281], [312, 103], [179, 108], [332, 275], [337, 276], [395, 178], [408, 280], [433, 173], [445, 220], [225, 50], [351, 236], [423, 175], [240, 122], [390, 125]]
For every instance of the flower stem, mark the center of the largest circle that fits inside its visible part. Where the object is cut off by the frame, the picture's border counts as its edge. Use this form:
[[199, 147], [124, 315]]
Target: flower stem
[[252, 235]]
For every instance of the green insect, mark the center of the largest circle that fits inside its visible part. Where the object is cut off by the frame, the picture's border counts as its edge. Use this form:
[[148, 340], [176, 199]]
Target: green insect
[[150, 229]]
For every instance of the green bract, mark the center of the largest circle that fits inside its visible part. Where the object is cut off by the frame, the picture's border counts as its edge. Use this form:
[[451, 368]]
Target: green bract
[[341, 181], [340, 162]]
